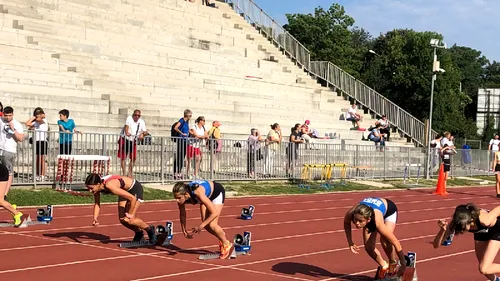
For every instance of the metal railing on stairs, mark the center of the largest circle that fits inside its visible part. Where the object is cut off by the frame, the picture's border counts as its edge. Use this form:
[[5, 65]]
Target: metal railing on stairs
[[406, 123]]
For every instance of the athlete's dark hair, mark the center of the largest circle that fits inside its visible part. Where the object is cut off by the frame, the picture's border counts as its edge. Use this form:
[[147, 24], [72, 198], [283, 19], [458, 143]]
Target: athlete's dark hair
[[93, 179], [464, 215], [368, 213], [183, 188]]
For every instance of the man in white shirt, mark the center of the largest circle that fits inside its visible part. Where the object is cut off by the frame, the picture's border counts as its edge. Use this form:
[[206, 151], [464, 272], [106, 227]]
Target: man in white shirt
[[353, 116], [132, 133], [11, 132]]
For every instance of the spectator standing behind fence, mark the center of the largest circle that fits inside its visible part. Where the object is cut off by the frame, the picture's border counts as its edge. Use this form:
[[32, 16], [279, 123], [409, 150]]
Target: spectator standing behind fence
[[214, 144], [273, 142], [197, 134], [180, 134], [133, 131], [494, 147], [66, 129], [254, 151], [11, 132], [435, 152], [292, 149], [40, 125]]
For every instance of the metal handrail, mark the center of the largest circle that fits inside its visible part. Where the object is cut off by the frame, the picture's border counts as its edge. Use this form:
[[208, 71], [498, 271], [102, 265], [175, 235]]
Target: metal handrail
[[330, 73]]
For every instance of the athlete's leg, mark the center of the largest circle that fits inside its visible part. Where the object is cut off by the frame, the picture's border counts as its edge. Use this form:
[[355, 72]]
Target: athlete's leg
[[487, 265], [213, 227], [480, 248], [370, 239], [389, 249], [123, 207], [7, 206]]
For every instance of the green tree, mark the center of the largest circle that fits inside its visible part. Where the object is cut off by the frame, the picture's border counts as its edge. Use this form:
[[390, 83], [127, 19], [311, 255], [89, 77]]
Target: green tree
[[327, 35], [402, 71], [471, 65]]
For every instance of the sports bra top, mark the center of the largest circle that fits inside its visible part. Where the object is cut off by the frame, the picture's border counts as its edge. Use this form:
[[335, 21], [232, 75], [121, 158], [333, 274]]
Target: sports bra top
[[201, 183], [105, 180], [375, 203]]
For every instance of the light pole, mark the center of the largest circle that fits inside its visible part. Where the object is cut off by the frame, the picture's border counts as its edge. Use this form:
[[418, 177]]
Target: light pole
[[435, 43]]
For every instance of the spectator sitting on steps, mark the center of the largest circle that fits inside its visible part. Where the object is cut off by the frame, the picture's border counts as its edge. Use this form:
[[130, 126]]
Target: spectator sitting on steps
[[353, 116], [384, 127], [377, 138]]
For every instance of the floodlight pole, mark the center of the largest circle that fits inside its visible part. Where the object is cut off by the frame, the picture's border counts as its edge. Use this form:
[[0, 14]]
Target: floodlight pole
[[429, 128]]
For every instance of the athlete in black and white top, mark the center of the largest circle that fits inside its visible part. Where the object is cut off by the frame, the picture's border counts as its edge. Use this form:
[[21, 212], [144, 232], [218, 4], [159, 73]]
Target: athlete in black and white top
[[485, 226]]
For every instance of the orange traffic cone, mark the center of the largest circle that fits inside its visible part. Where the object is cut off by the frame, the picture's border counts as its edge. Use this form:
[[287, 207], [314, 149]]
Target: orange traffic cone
[[440, 187]]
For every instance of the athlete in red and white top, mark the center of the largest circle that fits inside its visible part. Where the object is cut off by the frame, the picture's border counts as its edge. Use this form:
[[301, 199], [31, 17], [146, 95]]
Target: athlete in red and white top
[[130, 196]]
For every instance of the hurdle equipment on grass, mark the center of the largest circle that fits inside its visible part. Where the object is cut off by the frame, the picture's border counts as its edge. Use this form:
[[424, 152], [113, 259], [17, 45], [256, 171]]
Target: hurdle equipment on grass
[[164, 236], [242, 246], [247, 213], [326, 174], [407, 172], [65, 167]]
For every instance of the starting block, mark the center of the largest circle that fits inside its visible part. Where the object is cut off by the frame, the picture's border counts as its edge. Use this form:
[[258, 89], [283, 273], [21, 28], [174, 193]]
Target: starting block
[[242, 246], [247, 213], [410, 273], [45, 214], [164, 236]]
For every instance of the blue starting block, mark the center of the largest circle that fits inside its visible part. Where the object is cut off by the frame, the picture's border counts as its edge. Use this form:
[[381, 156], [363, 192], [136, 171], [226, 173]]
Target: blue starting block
[[243, 243], [164, 234], [247, 213], [45, 214], [242, 246]]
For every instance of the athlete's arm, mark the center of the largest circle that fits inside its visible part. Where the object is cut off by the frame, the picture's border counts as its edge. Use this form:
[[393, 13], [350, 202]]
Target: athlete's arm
[[384, 231], [182, 218], [443, 232], [347, 226], [210, 207], [494, 161], [97, 208]]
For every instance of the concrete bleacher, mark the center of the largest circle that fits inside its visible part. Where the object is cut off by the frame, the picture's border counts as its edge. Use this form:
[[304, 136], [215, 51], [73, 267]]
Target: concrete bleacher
[[101, 60]]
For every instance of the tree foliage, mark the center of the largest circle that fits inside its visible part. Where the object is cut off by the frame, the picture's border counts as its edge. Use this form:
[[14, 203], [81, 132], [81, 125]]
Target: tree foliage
[[398, 64]]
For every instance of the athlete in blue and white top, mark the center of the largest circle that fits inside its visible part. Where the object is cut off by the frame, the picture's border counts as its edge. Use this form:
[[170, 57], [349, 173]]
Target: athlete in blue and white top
[[376, 215], [211, 196]]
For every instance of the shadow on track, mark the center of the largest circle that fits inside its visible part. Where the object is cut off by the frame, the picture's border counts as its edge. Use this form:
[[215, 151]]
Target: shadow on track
[[293, 268]]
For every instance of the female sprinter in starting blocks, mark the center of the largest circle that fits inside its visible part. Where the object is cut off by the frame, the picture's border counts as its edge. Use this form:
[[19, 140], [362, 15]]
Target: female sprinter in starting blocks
[[130, 196], [4, 178], [210, 195], [376, 215], [485, 225]]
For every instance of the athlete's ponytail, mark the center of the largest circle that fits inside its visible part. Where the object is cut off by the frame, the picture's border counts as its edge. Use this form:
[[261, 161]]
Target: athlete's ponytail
[[464, 215]]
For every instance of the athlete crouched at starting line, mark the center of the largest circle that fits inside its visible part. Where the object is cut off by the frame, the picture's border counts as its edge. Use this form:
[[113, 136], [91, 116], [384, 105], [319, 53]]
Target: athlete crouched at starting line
[[376, 215], [4, 178], [485, 225], [130, 196], [211, 196]]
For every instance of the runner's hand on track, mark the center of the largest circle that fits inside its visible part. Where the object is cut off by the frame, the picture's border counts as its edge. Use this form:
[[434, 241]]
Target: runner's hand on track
[[95, 222], [443, 224], [354, 249]]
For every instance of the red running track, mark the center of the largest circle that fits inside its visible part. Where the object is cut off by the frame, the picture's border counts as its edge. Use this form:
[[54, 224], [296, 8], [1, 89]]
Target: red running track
[[294, 238]]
